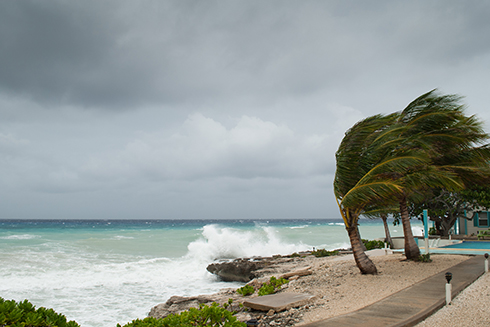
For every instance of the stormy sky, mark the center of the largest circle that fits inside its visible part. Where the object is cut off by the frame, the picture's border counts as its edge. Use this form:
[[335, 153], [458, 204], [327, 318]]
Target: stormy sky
[[212, 109]]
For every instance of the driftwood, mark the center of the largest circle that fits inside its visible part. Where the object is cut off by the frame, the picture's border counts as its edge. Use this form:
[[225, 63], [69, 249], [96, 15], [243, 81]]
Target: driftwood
[[301, 272]]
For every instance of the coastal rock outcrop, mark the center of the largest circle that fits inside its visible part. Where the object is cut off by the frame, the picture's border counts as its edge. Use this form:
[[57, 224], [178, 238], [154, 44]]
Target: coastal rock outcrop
[[177, 304], [245, 270], [239, 270], [255, 272]]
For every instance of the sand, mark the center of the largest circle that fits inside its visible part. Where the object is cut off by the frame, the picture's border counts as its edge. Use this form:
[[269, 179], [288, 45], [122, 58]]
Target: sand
[[340, 287]]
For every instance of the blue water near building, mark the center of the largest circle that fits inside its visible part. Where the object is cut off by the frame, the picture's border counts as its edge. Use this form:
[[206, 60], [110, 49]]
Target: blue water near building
[[479, 245]]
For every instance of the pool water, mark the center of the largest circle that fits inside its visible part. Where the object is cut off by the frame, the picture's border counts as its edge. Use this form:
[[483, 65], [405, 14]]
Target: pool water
[[481, 245]]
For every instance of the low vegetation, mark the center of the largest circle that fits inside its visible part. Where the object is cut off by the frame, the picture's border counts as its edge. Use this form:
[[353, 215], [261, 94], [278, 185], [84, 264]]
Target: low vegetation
[[267, 288], [209, 316], [373, 244], [24, 314], [273, 285], [246, 290], [324, 253], [425, 258]]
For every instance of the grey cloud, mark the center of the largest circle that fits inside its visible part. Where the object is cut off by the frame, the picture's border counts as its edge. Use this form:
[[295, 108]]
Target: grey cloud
[[112, 108], [121, 55], [204, 148]]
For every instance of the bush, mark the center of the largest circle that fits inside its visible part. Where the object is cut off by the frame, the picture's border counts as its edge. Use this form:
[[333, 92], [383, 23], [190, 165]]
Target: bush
[[246, 290], [324, 253], [373, 244], [266, 289], [209, 316], [273, 285], [25, 314], [424, 258]]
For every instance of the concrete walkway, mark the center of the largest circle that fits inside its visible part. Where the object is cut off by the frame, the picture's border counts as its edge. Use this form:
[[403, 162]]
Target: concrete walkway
[[412, 304]]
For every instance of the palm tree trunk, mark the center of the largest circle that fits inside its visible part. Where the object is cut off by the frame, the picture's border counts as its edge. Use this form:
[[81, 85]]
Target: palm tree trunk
[[365, 265], [412, 251], [363, 246], [387, 231]]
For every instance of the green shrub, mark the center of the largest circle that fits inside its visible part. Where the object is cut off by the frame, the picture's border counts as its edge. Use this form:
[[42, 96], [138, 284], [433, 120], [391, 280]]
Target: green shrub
[[278, 282], [295, 255], [208, 316], [246, 290], [266, 289], [424, 258], [324, 253], [273, 285], [373, 244], [25, 314]]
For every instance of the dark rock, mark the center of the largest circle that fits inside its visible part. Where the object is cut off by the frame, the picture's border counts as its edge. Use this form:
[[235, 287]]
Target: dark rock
[[240, 270]]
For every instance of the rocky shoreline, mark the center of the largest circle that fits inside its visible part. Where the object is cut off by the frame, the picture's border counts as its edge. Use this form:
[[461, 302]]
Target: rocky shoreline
[[335, 282]]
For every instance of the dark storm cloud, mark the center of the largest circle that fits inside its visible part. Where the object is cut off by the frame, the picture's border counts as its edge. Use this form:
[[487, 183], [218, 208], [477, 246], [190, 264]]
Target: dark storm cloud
[[122, 54]]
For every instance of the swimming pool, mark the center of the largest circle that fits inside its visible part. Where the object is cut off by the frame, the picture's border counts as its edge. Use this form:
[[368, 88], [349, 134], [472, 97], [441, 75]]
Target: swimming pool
[[459, 247], [479, 245]]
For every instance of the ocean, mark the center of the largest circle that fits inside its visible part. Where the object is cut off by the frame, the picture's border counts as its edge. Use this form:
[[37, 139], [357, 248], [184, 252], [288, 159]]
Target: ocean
[[103, 272]]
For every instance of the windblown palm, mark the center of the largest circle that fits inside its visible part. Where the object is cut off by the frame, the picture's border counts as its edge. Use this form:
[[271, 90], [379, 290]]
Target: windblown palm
[[384, 160], [363, 162], [437, 126]]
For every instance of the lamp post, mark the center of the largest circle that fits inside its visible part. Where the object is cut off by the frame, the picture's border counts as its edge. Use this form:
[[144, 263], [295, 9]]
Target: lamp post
[[486, 262], [449, 276]]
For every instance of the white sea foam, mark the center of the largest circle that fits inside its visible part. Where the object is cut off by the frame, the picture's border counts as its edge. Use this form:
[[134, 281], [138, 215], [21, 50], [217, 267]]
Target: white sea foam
[[298, 227], [228, 243], [97, 292], [121, 237]]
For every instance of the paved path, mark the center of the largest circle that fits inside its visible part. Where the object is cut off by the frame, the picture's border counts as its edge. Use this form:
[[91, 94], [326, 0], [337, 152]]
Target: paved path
[[412, 304]]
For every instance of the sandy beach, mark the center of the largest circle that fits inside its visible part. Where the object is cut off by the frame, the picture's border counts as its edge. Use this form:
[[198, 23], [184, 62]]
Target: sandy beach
[[340, 288]]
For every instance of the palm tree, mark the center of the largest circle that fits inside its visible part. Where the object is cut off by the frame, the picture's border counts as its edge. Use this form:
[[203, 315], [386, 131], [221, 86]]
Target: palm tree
[[363, 161], [392, 159], [389, 240], [437, 125]]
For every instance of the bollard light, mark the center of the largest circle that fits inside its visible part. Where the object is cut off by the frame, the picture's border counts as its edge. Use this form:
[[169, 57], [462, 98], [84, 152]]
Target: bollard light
[[449, 290], [449, 276], [486, 262], [486, 255]]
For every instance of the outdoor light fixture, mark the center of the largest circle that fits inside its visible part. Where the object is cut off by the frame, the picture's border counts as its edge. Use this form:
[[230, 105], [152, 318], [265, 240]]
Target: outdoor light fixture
[[449, 290], [449, 276], [486, 262]]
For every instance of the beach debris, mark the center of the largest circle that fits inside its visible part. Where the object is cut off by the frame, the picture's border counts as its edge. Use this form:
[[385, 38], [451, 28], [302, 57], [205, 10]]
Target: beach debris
[[297, 273]]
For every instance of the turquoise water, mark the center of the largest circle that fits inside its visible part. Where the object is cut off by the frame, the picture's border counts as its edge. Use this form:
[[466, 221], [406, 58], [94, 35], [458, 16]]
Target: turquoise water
[[480, 245], [104, 272]]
